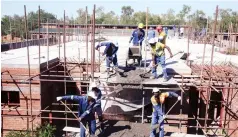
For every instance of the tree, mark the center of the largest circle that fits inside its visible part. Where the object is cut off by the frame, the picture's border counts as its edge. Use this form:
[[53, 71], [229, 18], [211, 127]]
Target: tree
[[168, 18], [183, 13], [126, 17]]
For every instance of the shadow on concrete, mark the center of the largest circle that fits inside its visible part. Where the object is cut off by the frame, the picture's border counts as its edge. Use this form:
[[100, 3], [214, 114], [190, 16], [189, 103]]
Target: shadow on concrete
[[111, 128]]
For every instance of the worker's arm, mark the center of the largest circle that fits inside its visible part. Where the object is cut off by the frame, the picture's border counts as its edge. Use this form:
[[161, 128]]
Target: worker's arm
[[171, 94], [70, 97], [88, 111], [132, 36], [107, 44], [169, 50]]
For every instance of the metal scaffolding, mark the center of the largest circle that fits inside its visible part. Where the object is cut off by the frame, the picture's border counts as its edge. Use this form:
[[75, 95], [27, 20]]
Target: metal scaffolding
[[219, 78]]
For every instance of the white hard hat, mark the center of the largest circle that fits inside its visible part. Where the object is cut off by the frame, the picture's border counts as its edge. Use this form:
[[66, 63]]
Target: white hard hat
[[92, 94], [93, 85], [152, 40], [156, 90]]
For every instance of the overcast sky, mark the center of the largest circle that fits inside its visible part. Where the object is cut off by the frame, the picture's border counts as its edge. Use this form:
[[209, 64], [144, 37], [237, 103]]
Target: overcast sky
[[57, 7]]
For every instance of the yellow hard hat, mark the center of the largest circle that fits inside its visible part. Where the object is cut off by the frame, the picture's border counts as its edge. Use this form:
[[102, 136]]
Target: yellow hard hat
[[141, 25]]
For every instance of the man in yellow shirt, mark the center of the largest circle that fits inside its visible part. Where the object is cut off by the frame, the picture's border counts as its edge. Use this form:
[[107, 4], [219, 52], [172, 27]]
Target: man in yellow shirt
[[157, 101], [162, 35], [158, 56]]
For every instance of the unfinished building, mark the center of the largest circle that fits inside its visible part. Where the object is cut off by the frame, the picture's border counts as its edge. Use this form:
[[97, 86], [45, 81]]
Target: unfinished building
[[63, 63]]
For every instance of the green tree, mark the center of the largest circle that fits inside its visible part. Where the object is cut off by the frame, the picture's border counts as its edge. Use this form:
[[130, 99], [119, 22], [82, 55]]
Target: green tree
[[182, 14], [168, 18], [126, 17]]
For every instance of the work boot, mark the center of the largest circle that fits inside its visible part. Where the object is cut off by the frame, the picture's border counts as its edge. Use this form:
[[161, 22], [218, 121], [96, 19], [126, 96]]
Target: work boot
[[153, 77]]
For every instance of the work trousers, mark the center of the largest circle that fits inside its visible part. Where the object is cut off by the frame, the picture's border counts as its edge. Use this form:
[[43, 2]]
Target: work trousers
[[91, 125], [161, 60]]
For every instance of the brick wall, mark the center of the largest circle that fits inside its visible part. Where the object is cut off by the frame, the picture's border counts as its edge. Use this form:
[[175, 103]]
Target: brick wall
[[17, 118]]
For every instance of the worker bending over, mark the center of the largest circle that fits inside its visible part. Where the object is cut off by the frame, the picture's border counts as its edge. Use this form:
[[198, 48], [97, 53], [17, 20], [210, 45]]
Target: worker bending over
[[162, 35], [158, 56], [86, 111], [157, 101], [98, 93], [110, 52], [138, 35]]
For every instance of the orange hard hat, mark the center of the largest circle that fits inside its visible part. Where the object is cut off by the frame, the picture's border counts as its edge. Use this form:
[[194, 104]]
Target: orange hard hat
[[159, 28]]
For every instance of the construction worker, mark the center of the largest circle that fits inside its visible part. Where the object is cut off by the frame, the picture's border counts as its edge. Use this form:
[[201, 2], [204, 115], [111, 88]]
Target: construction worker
[[98, 93], [158, 116], [151, 33], [86, 110], [138, 35], [162, 34], [174, 29], [110, 52], [158, 56]]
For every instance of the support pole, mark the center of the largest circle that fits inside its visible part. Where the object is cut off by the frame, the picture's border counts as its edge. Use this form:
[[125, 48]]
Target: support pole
[[66, 122], [47, 43], [59, 37], [143, 106], [39, 47], [87, 38], [93, 43], [146, 35], [28, 62]]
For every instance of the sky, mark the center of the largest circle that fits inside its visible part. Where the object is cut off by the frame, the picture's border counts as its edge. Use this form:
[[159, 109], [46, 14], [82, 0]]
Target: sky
[[57, 7]]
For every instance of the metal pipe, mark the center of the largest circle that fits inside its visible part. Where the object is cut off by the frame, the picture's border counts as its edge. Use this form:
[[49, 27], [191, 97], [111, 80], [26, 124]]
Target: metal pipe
[[146, 35], [209, 91], [93, 42], [28, 62], [47, 44], [59, 37], [66, 122]]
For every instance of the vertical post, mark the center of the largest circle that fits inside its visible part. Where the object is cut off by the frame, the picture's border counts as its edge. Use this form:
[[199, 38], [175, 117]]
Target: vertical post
[[10, 32], [181, 109], [47, 44], [66, 122], [39, 35], [143, 106], [28, 62], [39, 47], [189, 29], [93, 42], [146, 35], [87, 38], [59, 37]]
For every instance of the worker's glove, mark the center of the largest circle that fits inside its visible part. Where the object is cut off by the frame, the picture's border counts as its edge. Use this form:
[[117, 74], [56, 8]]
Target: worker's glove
[[179, 97], [164, 116], [58, 98], [79, 119]]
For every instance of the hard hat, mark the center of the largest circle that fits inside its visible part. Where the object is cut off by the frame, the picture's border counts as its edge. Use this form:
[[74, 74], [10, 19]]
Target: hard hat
[[159, 28], [141, 25], [156, 90], [92, 95], [93, 85], [152, 40]]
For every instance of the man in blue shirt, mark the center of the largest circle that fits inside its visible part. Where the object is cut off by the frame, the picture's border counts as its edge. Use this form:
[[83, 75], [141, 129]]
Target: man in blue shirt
[[86, 109], [138, 35], [174, 28], [98, 93], [151, 33], [110, 52]]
